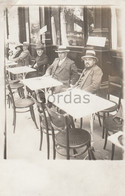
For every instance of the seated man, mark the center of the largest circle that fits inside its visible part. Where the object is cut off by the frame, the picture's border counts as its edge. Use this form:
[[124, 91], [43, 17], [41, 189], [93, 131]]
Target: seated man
[[40, 64], [63, 69], [91, 76], [41, 60]]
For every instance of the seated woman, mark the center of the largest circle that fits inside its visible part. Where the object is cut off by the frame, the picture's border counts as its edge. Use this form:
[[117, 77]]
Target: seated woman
[[24, 58], [12, 56], [19, 49]]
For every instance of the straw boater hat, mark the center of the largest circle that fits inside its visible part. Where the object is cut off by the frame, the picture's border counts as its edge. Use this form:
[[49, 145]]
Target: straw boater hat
[[25, 44], [19, 45], [62, 49], [90, 54], [39, 46]]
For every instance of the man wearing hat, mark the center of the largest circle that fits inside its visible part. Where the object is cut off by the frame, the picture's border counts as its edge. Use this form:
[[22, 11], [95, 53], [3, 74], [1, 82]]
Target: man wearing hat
[[91, 76], [41, 60], [63, 69], [24, 58]]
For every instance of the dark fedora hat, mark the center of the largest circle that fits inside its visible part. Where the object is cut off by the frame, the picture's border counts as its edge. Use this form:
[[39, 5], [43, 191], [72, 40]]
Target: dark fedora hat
[[39, 46], [62, 49], [89, 54]]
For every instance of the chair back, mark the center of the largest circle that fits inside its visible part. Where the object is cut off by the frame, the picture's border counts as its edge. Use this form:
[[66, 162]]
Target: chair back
[[41, 111], [11, 95], [115, 87], [58, 121]]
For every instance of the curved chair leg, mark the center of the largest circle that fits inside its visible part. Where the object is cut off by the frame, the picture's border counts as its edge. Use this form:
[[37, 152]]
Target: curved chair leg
[[99, 119], [8, 100], [72, 121], [106, 136], [54, 149], [13, 117], [14, 121], [81, 122], [48, 146], [68, 155], [33, 116], [103, 132], [41, 138], [113, 150], [91, 153]]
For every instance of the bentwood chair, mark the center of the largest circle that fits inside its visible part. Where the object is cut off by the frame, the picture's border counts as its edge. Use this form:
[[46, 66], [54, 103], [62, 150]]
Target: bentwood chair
[[15, 86], [44, 123], [112, 124], [113, 88], [21, 106], [74, 141]]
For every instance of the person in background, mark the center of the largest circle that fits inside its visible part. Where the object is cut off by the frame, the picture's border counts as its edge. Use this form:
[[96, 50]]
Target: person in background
[[63, 69], [41, 61], [19, 49], [24, 58], [10, 56], [6, 50], [91, 76]]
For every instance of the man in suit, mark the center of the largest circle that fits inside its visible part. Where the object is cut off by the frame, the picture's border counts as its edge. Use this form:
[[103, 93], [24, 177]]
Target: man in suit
[[41, 60], [91, 76], [40, 64], [63, 69]]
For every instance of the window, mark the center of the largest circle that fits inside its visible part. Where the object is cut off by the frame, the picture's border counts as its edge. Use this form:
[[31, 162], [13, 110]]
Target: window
[[73, 25]]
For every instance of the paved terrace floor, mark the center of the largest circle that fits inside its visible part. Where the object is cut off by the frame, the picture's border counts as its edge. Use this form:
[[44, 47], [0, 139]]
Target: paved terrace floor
[[24, 144]]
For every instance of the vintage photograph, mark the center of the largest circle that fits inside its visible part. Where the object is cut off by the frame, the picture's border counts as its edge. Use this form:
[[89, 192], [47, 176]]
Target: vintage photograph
[[62, 98], [64, 65]]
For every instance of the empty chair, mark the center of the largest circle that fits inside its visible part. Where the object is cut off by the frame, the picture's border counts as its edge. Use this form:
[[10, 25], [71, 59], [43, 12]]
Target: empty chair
[[16, 85], [74, 141], [113, 124], [21, 106], [44, 124], [114, 88]]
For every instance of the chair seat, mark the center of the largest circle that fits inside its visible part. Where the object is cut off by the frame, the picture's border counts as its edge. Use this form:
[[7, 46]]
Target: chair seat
[[77, 138], [111, 109], [16, 85], [112, 125], [24, 103], [13, 81]]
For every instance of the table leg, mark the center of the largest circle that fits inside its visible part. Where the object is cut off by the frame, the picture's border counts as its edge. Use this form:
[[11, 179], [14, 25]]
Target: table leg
[[91, 128], [113, 150], [25, 90]]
